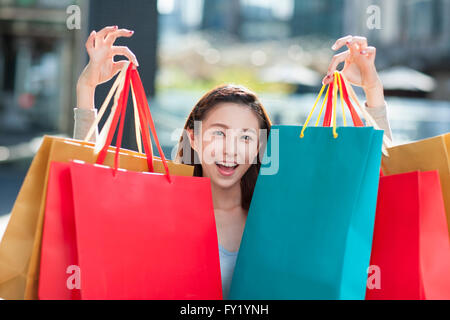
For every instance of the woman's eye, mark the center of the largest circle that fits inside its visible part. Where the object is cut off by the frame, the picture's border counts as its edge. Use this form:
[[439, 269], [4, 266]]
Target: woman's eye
[[218, 132], [247, 138]]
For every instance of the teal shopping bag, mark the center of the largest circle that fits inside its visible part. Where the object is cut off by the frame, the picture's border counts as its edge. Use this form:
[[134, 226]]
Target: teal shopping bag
[[309, 229]]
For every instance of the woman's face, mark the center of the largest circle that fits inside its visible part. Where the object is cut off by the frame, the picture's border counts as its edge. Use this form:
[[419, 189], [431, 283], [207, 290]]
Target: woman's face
[[229, 143]]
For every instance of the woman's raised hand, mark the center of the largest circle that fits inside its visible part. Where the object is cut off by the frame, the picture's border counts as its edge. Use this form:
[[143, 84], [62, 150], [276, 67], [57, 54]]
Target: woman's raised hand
[[359, 67], [101, 66], [101, 50]]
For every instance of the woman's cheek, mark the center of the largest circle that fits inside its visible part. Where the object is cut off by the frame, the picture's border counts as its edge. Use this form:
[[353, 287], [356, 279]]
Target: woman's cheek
[[211, 148], [247, 152]]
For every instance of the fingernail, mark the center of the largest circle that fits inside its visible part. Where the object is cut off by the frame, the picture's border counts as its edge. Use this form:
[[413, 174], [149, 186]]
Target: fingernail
[[363, 52], [130, 32], [333, 47], [115, 27]]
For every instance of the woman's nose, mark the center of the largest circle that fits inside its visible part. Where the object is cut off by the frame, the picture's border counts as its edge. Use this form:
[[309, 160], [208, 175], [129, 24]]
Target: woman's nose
[[230, 148]]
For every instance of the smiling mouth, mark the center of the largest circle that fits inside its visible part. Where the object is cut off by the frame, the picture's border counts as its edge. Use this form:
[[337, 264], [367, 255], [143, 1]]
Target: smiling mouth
[[226, 169]]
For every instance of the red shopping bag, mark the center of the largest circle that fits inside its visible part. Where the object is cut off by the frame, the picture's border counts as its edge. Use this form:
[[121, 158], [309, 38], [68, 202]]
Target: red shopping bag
[[411, 248], [138, 235], [59, 277]]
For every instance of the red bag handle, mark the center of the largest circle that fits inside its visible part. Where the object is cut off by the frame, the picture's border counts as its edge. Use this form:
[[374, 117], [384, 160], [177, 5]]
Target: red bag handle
[[144, 111], [357, 122], [132, 76], [328, 110]]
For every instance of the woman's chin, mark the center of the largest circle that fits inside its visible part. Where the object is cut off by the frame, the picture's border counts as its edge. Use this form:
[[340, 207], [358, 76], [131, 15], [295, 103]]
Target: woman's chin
[[226, 181], [225, 184]]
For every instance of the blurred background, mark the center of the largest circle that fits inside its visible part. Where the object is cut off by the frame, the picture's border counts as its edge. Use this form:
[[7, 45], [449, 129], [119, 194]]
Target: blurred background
[[278, 48]]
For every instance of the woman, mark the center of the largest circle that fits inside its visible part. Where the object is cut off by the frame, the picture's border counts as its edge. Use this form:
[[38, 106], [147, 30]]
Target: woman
[[231, 117]]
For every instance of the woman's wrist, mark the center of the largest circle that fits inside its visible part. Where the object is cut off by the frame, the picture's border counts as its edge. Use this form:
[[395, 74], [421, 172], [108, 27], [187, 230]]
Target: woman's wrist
[[85, 96], [374, 94]]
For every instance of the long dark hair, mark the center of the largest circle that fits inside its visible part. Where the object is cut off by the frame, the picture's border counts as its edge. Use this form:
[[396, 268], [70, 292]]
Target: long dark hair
[[224, 93]]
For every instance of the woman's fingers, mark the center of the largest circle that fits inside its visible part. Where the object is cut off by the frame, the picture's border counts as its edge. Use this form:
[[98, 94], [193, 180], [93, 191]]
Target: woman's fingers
[[369, 51], [105, 31], [112, 36], [335, 61], [354, 43], [341, 42], [124, 51], [361, 42], [90, 42], [118, 65], [100, 36], [359, 60]]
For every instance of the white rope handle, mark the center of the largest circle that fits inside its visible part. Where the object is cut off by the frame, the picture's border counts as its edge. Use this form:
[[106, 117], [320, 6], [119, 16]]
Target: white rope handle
[[116, 89], [105, 104], [100, 143]]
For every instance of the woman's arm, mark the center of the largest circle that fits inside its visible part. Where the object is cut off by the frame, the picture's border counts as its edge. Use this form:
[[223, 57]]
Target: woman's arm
[[84, 118], [377, 108], [101, 68], [379, 114], [359, 69]]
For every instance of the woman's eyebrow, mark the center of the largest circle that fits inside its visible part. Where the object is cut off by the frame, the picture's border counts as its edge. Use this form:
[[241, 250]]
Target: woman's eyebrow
[[225, 126], [219, 124]]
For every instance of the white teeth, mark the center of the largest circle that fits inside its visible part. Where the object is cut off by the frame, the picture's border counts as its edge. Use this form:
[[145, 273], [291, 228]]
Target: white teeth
[[229, 165]]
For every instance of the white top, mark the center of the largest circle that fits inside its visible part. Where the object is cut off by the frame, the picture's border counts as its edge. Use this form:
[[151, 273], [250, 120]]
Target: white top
[[227, 264]]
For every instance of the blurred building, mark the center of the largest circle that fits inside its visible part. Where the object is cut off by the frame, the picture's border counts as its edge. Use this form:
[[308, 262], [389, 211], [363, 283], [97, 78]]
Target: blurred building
[[414, 33], [264, 20], [248, 20], [36, 57], [179, 16], [42, 55], [223, 16], [318, 17]]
